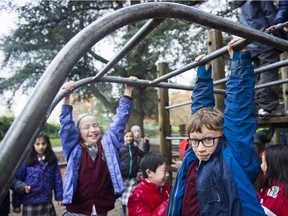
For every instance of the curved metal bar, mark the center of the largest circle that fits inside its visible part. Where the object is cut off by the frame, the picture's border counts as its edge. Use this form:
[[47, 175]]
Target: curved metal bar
[[15, 144], [134, 41]]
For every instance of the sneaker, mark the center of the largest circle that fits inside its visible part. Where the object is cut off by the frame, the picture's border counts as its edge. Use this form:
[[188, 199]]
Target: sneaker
[[265, 114]]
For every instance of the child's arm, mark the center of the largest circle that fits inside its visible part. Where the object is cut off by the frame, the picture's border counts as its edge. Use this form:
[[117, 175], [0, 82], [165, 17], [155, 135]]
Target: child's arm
[[118, 125], [68, 133], [203, 94], [239, 120], [20, 187], [58, 185]]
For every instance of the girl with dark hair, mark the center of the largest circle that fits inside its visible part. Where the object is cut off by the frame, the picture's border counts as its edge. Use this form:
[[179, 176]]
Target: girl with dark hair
[[41, 172], [129, 159], [273, 195]]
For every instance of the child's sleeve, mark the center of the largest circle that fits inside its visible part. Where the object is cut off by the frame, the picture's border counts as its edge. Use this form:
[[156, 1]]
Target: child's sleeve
[[203, 94], [239, 120], [118, 124], [68, 133], [18, 186], [58, 184]]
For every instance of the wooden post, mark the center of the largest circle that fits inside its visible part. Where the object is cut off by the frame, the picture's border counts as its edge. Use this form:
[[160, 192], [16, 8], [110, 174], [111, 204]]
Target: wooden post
[[284, 75], [164, 117], [182, 131], [215, 42]]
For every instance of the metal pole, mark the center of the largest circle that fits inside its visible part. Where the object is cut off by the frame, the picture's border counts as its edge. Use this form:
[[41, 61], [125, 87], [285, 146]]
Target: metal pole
[[134, 41]]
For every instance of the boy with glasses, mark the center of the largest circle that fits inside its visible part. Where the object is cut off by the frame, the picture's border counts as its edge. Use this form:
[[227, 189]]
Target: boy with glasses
[[217, 173]]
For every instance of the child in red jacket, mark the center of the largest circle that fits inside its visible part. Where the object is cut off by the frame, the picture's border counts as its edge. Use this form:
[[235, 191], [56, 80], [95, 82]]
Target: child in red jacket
[[273, 195], [150, 197]]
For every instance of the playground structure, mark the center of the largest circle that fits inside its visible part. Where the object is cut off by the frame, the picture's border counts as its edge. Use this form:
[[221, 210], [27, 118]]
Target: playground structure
[[22, 133]]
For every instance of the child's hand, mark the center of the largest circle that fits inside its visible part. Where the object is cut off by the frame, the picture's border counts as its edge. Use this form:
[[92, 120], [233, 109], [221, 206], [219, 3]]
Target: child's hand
[[146, 139], [59, 203], [17, 210], [69, 85], [230, 49], [27, 189], [198, 58], [129, 88]]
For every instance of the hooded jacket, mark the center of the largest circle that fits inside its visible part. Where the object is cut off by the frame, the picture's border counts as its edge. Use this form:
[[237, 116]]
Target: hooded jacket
[[224, 182], [112, 141]]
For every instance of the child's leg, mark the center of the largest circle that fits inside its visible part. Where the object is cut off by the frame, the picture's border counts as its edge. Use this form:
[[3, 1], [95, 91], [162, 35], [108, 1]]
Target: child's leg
[[123, 210]]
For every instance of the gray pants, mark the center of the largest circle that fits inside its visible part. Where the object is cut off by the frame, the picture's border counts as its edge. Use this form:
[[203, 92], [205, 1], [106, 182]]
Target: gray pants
[[267, 98]]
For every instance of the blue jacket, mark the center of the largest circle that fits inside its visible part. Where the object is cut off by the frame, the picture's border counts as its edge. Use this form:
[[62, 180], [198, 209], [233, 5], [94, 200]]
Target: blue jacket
[[259, 15], [223, 182], [282, 14], [43, 179], [112, 141]]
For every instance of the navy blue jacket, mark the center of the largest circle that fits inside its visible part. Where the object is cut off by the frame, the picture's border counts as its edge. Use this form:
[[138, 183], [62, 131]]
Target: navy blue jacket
[[282, 14], [129, 157], [224, 182], [259, 15], [43, 179]]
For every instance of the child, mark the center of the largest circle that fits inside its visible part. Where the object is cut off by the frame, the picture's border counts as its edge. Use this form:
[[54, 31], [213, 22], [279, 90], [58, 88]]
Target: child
[[142, 143], [93, 177], [129, 157], [274, 192], [216, 174], [42, 173], [150, 197]]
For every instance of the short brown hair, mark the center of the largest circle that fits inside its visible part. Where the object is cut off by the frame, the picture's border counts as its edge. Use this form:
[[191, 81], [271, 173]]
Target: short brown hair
[[211, 118]]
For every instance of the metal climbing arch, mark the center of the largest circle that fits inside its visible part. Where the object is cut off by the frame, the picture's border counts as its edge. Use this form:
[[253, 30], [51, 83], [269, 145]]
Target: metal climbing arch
[[15, 145]]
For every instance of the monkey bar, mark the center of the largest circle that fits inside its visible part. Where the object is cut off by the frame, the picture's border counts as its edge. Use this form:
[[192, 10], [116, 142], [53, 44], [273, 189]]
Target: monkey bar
[[21, 135]]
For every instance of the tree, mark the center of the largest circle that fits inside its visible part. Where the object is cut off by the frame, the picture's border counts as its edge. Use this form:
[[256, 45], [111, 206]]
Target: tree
[[45, 27]]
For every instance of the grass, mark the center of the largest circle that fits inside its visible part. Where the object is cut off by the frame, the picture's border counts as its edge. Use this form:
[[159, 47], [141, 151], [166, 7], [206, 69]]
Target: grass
[[55, 142]]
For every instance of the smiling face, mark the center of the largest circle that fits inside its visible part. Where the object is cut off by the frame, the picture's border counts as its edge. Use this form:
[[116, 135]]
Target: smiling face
[[160, 176], [128, 137], [204, 153], [89, 129], [40, 146]]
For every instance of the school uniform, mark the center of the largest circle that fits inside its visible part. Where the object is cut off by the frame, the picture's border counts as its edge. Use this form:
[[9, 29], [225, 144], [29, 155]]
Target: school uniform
[[111, 143], [224, 182]]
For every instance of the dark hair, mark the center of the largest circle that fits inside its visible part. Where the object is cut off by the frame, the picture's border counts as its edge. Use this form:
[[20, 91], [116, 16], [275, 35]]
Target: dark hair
[[276, 157], [152, 160], [50, 156]]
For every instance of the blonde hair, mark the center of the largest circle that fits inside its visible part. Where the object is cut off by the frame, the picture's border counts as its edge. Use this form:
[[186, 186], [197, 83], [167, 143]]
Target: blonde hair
[[211, 118]]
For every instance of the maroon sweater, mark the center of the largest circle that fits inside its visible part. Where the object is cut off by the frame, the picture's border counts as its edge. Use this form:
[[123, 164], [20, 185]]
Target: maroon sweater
[[190, 205], [94, 186]]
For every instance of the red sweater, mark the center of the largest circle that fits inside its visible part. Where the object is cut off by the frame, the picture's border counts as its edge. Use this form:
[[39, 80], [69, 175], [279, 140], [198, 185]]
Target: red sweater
[[274, 201], [147, 199], [94, 186]]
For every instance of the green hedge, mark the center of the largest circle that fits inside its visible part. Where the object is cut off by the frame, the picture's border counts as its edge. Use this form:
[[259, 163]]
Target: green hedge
[[5, 123]]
